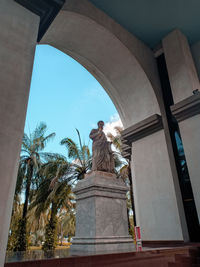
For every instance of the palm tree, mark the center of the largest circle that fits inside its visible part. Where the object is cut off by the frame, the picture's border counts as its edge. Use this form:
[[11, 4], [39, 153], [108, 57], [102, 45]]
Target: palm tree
[[80, 156], [36, 226], [60, 197], [15, 218], [81, 159], [54, 193], [30, 160], [66, 221]]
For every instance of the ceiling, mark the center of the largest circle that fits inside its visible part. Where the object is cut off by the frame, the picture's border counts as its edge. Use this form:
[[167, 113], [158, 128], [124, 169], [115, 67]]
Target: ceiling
[[151, 20]]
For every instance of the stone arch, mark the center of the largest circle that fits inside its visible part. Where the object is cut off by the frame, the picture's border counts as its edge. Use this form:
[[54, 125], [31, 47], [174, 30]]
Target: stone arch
[[123, 65]]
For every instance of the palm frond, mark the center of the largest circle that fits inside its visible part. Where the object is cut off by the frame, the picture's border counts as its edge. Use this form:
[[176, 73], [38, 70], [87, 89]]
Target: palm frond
[[26, 142], [72, 148], [79, 138], [86, 152], [48, 157], [47, 138], [39, 131]]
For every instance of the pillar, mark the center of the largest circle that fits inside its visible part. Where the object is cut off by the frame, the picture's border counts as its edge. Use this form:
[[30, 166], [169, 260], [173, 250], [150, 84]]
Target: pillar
[[19, 28], [156, 202], [186, 109]]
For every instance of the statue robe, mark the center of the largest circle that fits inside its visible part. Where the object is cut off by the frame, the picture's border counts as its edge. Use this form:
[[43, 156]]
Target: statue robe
[[102, 156]]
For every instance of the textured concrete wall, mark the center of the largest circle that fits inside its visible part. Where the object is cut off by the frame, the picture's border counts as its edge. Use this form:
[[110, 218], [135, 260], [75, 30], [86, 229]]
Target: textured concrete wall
[[155, 197], [17, 46], [192, 149], [182, 72], [190, 132], [123, 65], [183, 80], [195, 49]]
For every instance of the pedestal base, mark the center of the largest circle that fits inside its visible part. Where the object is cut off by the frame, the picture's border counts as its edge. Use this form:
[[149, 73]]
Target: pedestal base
[[101, 217], [102, 244]]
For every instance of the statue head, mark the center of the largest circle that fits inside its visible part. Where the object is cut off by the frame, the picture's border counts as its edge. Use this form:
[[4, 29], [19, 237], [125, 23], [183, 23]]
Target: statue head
[[100, 124]]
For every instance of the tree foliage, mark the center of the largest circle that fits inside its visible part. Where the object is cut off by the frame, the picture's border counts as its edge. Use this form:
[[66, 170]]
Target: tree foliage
[[30, 162], [46, 180]]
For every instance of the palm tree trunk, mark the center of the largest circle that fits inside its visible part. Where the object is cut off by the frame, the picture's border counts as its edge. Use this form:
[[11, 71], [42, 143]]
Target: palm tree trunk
[[28, 187], [21, 242], [53, 212], [61, 233], [50, 232]]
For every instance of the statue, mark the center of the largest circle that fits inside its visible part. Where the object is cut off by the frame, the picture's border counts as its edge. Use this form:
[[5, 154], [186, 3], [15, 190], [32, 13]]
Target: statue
[[102, 155]]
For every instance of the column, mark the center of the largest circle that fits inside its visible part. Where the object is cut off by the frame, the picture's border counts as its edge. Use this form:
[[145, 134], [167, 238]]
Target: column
[[186, 109], [156, 202], [18, 34]]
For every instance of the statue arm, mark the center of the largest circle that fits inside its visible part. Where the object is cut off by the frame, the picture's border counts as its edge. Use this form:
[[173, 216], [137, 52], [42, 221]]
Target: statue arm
[[94, 134]]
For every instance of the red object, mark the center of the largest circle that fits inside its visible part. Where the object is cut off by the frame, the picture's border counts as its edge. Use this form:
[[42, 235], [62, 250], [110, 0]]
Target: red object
[[138, 238]]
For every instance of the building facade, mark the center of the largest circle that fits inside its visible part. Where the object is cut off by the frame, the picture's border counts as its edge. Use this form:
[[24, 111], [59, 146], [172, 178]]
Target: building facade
[[153, 80]]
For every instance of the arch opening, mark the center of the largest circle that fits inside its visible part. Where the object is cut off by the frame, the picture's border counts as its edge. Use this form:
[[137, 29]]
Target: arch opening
[[109, 60]]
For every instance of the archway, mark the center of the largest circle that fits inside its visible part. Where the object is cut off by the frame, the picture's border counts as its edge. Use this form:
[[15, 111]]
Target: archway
[[107, 58], [127, 70]]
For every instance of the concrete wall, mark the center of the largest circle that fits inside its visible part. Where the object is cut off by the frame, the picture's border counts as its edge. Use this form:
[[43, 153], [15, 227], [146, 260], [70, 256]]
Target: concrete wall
[[192, 127], [127, 70], [183, 80], [155, 197], [17, 46], [190, 132], [182, 72], [195, 49], [123, 65]]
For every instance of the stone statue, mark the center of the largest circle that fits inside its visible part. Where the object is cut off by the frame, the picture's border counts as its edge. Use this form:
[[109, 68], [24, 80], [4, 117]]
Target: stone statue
[[102, 155]]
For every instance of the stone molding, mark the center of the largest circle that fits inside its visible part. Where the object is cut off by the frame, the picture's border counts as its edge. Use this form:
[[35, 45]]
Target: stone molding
[[102, 240], [143, 128], [186, 108], [100, 191], [103, 187]]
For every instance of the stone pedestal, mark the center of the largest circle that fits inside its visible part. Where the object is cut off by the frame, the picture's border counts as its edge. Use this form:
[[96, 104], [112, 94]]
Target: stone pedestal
[[101, 214]]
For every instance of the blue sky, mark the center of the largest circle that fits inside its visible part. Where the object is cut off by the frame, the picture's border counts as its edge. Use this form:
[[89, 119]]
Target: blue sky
[[65, 96]]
